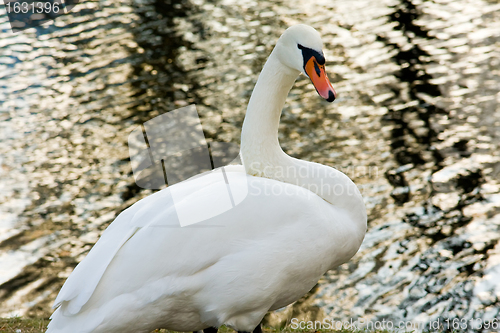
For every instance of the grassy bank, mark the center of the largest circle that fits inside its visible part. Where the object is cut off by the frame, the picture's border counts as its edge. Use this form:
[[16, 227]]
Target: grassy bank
[[20, 325]]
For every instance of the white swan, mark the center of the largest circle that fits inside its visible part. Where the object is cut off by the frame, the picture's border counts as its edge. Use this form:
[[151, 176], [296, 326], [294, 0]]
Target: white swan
[[298, 220]]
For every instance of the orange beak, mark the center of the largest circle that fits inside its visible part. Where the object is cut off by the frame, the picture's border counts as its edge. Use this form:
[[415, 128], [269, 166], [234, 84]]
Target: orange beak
[[317, 74]]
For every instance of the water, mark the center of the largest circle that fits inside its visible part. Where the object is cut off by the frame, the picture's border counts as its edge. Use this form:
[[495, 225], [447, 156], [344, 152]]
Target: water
[[416, 126]]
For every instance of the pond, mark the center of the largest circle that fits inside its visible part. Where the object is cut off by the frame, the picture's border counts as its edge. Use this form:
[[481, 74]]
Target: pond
[[415, 125]]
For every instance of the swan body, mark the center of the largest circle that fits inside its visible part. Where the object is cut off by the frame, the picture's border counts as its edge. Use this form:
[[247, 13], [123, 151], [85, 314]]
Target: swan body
[[297, 220]]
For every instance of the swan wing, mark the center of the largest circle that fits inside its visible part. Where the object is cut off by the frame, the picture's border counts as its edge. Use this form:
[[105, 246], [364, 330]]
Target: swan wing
[[158, 209], [81, 283]]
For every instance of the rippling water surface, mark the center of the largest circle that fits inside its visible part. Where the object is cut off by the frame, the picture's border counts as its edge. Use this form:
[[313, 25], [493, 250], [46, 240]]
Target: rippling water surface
[[416, 125]]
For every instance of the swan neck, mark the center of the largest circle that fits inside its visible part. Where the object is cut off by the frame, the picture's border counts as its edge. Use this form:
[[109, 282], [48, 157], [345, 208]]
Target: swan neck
[[259, 137]]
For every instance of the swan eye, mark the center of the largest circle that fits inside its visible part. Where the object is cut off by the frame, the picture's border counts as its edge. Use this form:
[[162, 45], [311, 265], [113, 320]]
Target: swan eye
[[308, 53]]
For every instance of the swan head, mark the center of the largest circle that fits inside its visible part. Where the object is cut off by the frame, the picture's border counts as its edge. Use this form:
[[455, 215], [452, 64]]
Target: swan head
[[300, 48]]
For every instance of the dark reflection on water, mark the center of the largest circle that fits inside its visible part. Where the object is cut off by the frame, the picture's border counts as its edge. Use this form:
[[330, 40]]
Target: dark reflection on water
[[407, 144], [155, 70], [416, 126]]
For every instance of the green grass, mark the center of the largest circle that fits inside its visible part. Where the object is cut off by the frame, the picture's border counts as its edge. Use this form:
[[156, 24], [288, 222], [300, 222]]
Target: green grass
[[20, 325]]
